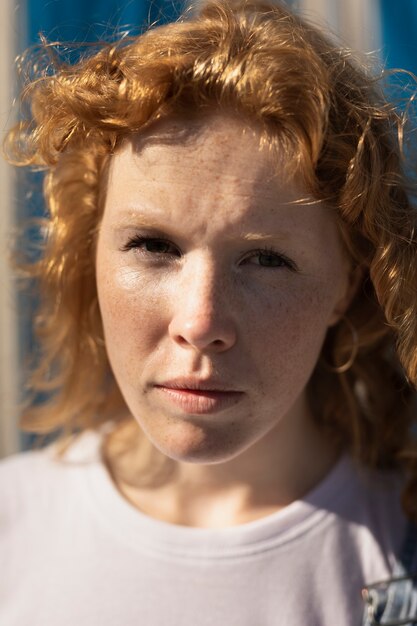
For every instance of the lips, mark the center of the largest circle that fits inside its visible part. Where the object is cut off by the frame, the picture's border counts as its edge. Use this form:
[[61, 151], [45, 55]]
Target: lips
[[198, 397]]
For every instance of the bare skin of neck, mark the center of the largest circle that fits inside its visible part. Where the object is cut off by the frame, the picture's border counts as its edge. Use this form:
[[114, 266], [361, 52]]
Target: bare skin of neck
[[275, 471]]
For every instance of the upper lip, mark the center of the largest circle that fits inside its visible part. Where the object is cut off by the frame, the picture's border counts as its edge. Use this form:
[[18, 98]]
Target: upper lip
[[198, 384]]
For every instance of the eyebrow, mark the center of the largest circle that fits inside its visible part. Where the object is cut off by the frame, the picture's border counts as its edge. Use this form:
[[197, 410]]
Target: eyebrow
[[136, 219], [133, 218], [263, 236]]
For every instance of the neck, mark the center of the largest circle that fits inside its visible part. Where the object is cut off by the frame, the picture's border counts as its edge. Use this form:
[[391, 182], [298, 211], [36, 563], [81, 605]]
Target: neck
[[278, 469]]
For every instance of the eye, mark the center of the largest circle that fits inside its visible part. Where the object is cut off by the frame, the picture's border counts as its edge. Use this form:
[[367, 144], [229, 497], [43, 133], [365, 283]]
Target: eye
[[151, 246], [268, 257]]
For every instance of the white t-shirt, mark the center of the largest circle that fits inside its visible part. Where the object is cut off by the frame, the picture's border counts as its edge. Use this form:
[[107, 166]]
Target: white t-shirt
[[74, 552]]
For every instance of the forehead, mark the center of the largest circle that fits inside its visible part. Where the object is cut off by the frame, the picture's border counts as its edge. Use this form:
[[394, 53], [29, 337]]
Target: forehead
[[212, 174], [178, 144], [231, 156]]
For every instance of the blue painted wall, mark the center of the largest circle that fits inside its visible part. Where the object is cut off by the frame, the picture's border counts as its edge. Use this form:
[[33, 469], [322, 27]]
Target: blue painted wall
[[399, 33], [78, 20]]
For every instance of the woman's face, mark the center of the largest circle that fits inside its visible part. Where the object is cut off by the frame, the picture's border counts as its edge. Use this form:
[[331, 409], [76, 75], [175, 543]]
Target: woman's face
[[216, 289]]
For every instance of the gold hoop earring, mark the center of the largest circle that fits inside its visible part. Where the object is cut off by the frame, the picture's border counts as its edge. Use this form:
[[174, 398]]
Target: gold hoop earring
[[341, 369]]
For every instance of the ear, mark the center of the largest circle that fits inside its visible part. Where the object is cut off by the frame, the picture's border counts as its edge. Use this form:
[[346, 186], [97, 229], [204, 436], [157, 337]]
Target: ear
[[354, 280]]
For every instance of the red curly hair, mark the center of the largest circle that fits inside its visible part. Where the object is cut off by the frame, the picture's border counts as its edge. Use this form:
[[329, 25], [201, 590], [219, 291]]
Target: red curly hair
[[264, 63]]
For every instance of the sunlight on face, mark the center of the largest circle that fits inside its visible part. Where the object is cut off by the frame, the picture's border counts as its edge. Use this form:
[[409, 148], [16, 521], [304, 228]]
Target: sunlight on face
[[216, 289]]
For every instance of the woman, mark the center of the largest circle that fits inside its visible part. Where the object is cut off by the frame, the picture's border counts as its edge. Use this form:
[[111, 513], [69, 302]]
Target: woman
[[230, 261]]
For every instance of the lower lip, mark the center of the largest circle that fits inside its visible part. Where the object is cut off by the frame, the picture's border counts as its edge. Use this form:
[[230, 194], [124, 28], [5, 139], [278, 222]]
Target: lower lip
[[201, 402]]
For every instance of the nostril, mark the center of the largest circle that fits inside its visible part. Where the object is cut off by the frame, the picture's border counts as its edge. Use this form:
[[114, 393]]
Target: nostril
[[202, 333]]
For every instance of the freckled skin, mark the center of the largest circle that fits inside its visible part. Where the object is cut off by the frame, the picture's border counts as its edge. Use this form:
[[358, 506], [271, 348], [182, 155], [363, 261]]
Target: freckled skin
[[211, 308]]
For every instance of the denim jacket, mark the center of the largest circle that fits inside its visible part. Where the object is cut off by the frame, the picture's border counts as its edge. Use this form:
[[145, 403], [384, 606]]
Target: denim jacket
[[393, 602]]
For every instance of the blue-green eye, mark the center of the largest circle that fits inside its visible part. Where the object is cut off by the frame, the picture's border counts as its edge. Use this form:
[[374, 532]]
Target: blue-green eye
[[156, 245], [269, 258], [151, 245]]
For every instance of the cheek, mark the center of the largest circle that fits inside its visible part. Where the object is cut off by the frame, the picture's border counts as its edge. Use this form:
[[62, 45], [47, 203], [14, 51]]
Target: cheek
[[286, 336], [134, 315], [291, 312]]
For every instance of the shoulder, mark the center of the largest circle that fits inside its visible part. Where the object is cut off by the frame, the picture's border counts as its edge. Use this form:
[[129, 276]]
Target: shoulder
[[38, 479], [84, 448], [376, 510], [13, 467], [18, 473]]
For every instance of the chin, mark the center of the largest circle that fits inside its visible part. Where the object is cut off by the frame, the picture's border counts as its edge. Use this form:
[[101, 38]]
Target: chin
[[195, 445]]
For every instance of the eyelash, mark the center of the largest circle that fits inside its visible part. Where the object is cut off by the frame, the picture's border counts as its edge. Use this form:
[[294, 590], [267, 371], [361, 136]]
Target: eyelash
[[286, 262], [135, 242]]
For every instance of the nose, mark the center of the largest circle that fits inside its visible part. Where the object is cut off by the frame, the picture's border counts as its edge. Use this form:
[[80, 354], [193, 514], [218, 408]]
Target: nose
[[202, 319]]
